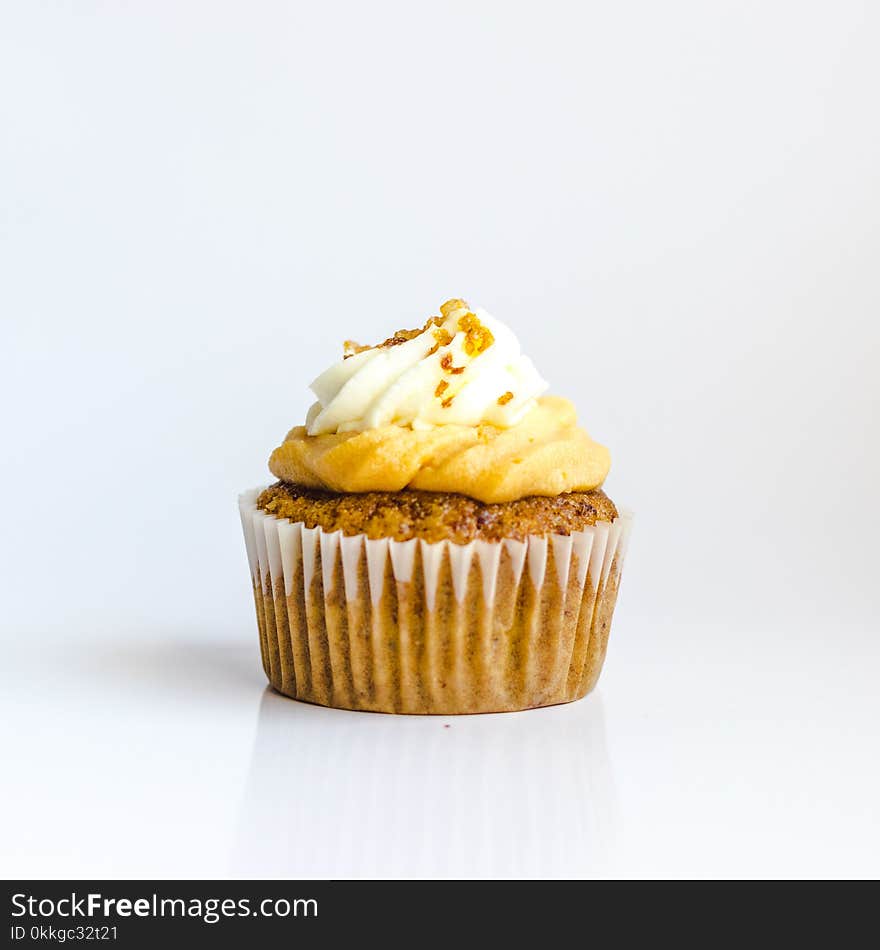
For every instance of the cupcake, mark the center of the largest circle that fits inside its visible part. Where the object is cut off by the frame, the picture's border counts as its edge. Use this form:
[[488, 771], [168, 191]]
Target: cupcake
[[437, 540]]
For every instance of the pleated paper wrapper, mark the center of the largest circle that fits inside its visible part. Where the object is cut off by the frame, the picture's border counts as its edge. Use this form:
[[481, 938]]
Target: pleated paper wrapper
[[443, 628]]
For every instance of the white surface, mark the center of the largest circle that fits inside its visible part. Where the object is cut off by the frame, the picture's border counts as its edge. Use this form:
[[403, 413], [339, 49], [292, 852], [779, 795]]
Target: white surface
[[163, 755], [200, 204]]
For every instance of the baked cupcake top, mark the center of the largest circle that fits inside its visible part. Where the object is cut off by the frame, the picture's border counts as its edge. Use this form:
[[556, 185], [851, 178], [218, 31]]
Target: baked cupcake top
[[435, 516], [452, 407]]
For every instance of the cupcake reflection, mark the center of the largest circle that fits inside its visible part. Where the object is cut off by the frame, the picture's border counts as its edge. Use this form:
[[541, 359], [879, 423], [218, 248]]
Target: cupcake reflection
[[337, 794]]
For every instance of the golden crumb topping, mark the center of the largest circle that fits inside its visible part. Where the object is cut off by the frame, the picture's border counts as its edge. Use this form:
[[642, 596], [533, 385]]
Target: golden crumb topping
[[442, 338], [505, 399], [402, 336], [452, 305], [477, 337], [446, 364], [351, 348]]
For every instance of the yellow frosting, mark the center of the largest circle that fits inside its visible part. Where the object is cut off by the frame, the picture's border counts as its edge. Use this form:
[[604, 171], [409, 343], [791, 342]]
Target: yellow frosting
[[544, 454]]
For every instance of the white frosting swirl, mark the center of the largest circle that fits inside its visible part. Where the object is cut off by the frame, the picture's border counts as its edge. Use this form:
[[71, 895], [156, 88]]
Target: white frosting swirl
[[426, 381]]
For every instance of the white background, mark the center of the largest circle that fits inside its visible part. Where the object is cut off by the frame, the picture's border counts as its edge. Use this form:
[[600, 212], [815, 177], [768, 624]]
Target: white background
[[676, 206]]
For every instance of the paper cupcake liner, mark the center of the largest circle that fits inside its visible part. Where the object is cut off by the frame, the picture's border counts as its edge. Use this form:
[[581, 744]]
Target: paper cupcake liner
[[445, 628]]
